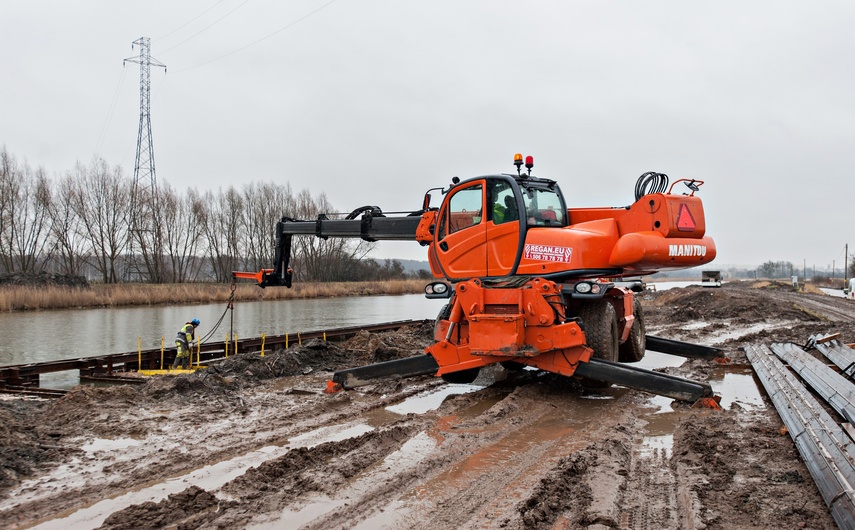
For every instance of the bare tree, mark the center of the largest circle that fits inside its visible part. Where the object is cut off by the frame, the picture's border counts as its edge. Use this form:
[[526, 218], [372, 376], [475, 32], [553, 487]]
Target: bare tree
[[86, 219], [66, 230], [264, 205], [8, 193], [24, 220], [182, 232], [101, 198], [221, 217], [317, 259]]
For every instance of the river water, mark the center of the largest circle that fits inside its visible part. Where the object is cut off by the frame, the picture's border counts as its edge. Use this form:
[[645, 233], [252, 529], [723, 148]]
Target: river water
[[27, 337]]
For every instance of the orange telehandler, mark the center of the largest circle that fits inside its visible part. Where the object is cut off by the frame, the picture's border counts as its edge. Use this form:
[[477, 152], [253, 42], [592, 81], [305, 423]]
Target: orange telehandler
[[531, 282]]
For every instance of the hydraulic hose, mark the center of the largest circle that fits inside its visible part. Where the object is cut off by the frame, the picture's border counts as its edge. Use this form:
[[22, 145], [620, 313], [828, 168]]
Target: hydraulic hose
[[650, 182]]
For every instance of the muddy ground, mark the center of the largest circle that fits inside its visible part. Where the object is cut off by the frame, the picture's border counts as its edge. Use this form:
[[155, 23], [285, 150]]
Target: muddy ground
[[254, 443]]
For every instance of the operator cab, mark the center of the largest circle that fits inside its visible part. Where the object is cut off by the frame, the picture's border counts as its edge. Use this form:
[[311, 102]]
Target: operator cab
[[482, 223]]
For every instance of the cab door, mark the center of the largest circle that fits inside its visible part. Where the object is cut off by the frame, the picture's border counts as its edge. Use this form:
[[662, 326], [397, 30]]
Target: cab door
[[461, 237]]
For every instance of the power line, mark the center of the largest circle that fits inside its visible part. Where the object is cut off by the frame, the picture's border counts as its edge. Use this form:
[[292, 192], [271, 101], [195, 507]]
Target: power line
[[206, 27], [110, 111], [257, 41], [194, 19]]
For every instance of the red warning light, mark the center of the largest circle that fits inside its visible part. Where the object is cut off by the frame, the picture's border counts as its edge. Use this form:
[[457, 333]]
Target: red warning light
[[529, 162], [685, 221]]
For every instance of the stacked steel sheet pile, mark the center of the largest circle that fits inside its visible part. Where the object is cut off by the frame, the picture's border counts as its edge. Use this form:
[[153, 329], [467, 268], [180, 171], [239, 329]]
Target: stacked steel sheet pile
[[826, 449], [840, 354]]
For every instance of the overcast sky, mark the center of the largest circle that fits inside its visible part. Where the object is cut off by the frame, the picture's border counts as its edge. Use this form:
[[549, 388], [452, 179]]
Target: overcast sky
[[374, 102]]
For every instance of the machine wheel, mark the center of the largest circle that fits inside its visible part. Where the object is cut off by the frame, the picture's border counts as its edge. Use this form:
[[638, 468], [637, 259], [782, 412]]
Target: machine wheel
[[463, 377], [601, 331], [601, 328], [634, 348]]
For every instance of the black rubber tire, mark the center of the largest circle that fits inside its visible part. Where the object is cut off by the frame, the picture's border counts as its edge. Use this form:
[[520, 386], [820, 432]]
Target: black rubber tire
[[634, 348], [601, 332], [463, 377], [601, 328]]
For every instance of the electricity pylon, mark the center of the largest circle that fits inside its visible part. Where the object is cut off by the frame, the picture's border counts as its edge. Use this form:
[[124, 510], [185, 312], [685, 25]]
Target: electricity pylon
[[144, 190]]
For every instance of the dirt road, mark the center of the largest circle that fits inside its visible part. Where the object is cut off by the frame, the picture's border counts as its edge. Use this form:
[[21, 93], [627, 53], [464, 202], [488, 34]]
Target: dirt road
[[254, 443]]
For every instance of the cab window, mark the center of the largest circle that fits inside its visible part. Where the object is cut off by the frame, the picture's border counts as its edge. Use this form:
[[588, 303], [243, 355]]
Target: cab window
[[464, 209], [504, 205], [543, 207]]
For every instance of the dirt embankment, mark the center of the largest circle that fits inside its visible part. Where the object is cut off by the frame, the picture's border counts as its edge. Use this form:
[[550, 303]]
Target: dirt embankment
[[254, 441]]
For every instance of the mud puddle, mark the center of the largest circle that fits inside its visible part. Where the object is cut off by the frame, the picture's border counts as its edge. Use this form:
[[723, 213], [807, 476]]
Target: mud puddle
[[503, 456], [406, 460], [421, 403], [736, 387], [654, 359], [408, 457], [213, 477], [210, 477]]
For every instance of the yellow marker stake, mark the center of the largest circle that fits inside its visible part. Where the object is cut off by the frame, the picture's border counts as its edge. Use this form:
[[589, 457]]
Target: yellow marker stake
[[299, 339], [162, 342], [227, 345], [198, 353], [139, 354], [325, 336], [262, 344], [235, 343], [286, 341]]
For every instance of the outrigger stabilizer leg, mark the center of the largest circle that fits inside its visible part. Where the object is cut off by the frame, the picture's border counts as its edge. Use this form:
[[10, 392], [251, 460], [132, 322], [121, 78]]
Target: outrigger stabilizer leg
[[621, 374]]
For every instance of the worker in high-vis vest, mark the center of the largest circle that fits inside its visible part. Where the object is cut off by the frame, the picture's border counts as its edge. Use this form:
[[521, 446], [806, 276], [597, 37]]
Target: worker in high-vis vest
[[184, 343]]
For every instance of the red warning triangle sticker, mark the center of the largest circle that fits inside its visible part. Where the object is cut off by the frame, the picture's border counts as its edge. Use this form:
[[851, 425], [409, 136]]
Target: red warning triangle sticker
[[685, 221]]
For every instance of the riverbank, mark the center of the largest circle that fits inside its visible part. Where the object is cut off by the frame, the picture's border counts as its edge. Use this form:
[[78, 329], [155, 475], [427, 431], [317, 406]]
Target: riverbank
[[31, 298]]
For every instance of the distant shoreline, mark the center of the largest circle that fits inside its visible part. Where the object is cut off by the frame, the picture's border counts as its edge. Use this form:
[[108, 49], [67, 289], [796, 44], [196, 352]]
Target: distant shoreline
[[36, 298]]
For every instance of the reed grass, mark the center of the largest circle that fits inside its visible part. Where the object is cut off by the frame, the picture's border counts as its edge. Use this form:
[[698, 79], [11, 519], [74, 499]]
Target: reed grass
[[27, 298]]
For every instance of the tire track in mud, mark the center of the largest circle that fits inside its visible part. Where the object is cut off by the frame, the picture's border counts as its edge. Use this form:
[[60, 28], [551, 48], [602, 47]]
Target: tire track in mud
[[480, 460], [275, 492], [830, 308], [486, 463], [264, 417], [269, 486], [500, 456], [651, 493], [374, 498]]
